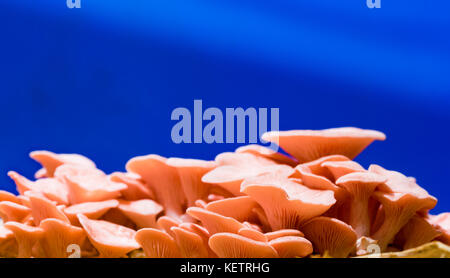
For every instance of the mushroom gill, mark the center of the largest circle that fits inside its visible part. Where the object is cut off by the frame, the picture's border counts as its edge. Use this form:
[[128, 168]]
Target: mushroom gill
[[157, 244], [287, 203]]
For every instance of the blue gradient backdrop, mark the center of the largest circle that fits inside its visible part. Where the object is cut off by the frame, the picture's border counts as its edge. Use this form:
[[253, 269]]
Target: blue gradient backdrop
[[103, 80]]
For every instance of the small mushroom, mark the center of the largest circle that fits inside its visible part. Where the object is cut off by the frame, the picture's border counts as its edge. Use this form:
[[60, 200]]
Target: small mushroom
[[416, 232], [163, 180], [191, 172], [111, 240], [331, 236], [253, 234], [239, 208], [308, 145], [157, 244], [142, 212], [92, 210], [286, 203], [135, 190], [166, 223], [50, 161], [292, 246], [26, 237], [398, 209], [229, 245], [10, 211], [360, 186], [7, 196], [267, 153], [58, 235], [214, 222]]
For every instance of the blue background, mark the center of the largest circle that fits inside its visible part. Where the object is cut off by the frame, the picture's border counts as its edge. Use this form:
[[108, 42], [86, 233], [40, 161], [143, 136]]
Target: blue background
[[103, 80]]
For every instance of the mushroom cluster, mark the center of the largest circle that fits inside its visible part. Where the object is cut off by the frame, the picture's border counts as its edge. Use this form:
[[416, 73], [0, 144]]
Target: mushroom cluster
[[250, 203]]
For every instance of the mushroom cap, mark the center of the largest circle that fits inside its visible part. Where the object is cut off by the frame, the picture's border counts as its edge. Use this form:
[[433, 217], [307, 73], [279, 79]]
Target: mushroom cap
[[398, 183], [50, 161], [214, 222], [88, 184], [135, 190], [163, 180], [191, 172], [92, 210], [308, 145], [8, 243], [330, 235], [42, 208], [228, 245], [157, 244], [282, 233], [239, 208], [342, 168], [286, 202], [253, 234], [189, 243], [8, 196], [51, 188], [166, 223], [10, 211], [142, 212], [361, 183], [292, 246], [111, 240], [58, 235], [265, 152]]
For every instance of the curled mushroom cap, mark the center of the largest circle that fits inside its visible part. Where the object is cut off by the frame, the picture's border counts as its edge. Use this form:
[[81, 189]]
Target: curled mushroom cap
[[267, 153], [235, 167], [53, 189], [42, 208], [214, 222], [308, 145], [58, 235], [10, 211], [50, 161], [398, 209], [239, 208], [342, 168], [111, 240], [93, 210], [191, 172], [286, 203], [88, 184], [157, 244], [416, 232], [360, 186], [189, 243], [26, 237], [135, 188], [228, 245], [166, 223], [292, 246], [142, 212], [330, 235], [163, 180]]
